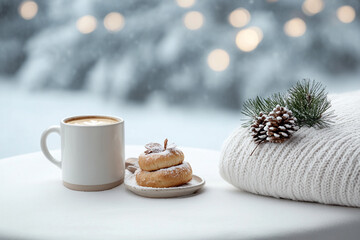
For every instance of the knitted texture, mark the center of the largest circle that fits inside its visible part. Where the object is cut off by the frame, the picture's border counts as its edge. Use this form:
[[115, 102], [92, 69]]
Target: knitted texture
[[314, 165]]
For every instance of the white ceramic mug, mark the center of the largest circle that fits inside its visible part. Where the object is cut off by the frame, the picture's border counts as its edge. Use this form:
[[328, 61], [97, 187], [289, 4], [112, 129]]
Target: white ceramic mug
[[92, 157]]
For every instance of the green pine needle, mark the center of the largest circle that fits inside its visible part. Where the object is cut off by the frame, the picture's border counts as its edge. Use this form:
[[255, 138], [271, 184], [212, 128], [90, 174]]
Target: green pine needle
[[253, 107], [307, 100]]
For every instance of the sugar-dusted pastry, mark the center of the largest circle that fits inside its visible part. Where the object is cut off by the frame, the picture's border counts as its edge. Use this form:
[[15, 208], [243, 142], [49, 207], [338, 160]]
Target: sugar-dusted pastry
[[157, 157], [166, 177], [162, 166]]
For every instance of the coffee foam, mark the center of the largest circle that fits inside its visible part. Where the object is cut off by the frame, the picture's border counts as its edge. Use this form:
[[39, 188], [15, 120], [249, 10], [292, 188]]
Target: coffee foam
[[91, 121]]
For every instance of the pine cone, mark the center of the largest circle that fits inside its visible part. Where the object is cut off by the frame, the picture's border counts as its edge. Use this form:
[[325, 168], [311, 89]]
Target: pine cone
[[280, 126], [257, 128]]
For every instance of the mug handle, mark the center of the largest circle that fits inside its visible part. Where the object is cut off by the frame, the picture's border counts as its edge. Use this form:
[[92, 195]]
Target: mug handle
[[44, 147]]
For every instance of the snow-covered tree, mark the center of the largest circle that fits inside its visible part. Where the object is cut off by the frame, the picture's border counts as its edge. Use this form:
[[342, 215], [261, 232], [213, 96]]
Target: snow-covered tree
[[154, 54]]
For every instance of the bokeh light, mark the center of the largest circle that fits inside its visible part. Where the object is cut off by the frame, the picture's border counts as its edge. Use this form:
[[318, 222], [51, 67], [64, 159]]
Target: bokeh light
[[259, 32], [185, 3], [28, 10], [218, 60], [86, 24], [295, 27], [193, 20], [312, 7], [248, 39], [346, 14], [114, 21], [239, 17]]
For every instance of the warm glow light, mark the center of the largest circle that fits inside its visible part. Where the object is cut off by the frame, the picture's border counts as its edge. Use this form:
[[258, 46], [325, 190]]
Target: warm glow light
[[346, 14], [239, 17], [312, 7], [259, 32], [114, 22], [295, 27], [185, 3], [248, 39], [86, 24], [193, 20], [218, 60], [28, 9]]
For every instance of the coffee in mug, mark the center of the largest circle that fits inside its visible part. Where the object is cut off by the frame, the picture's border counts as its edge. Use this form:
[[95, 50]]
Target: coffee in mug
[[92, 121], [92, 152]]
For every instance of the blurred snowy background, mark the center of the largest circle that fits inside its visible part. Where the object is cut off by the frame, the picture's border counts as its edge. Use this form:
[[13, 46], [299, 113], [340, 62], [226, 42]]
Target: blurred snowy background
[[176, 69]]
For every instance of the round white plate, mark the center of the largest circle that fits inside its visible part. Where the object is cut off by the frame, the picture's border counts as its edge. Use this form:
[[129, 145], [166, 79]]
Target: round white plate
[[191, 187]]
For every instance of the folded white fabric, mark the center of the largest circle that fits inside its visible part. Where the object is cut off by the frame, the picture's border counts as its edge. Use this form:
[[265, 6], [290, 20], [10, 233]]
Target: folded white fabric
[[314, 165]]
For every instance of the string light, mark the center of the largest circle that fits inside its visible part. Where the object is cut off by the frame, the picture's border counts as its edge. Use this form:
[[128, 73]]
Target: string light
[[239, 17], [218, 60], [193, 20], [86, 24], [346, 14], [248, 39], [28, 9], [312, 7], [295, 27], [114, 22], [185, 3]]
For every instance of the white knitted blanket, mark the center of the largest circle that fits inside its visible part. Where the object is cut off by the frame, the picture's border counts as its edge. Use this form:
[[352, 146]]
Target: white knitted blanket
[[314, 165]]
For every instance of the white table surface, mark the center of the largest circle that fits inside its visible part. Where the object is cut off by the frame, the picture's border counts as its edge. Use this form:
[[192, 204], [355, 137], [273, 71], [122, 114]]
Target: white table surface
[[35, 205]]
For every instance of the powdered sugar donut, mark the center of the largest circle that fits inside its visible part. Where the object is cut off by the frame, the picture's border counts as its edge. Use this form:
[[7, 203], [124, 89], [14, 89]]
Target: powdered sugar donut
[[157, 156], [158, 160], [166, 177]]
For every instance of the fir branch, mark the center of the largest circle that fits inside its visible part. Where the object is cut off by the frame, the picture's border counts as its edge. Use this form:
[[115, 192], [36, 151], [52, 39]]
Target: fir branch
[[253, 107], [308, 101]]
